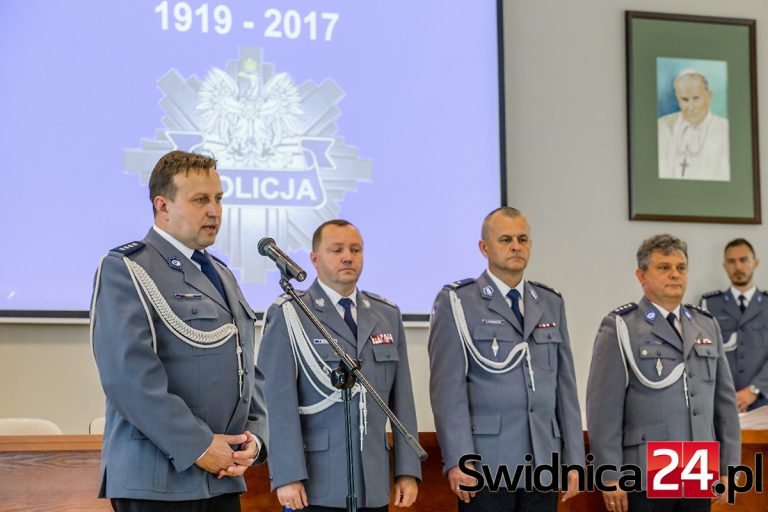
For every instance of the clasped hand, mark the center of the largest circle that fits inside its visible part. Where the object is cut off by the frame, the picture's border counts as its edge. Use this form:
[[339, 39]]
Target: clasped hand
[[221, 460]]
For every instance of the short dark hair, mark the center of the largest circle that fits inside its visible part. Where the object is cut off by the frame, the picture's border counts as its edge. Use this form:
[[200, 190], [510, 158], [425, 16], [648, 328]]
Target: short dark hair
[[173, 163], [317, 236], [665, 243], [506, 211], [737, 242]]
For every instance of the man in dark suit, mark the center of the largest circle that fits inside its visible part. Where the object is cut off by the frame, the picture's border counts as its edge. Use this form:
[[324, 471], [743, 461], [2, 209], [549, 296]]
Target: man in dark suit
[[742, 312], [306, 415], [502, 380], [173, 339]]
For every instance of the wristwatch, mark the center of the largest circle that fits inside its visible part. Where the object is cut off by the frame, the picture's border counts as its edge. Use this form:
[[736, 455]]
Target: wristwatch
[[754, 389]]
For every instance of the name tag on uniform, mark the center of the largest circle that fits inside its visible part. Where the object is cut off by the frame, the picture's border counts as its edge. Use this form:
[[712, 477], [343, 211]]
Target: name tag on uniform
[[382, 339], [188, 295], [492, 322], [320, 341]]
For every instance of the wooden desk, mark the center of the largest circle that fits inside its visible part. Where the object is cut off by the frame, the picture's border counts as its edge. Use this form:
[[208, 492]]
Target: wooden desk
[[61, 473]]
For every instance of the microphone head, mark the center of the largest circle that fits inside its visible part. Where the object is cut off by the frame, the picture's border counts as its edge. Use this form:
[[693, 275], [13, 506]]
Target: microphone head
[[264, 243]]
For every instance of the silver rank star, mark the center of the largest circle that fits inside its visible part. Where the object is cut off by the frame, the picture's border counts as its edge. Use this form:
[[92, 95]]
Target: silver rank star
[[659, 367]]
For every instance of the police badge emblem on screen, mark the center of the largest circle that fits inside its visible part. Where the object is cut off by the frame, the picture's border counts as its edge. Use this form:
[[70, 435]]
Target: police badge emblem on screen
[[283, 167]]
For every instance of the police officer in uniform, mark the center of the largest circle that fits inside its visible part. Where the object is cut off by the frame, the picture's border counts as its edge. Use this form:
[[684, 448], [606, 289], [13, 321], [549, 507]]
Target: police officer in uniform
[[659, 373], [742, 312], [502, 380], [306, 415], [173, 339]]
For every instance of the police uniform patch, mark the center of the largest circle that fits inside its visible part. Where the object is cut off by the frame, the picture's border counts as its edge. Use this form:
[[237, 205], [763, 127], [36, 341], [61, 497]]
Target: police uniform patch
[[174, 262], [626, 308], [129, 248], [545, 287]]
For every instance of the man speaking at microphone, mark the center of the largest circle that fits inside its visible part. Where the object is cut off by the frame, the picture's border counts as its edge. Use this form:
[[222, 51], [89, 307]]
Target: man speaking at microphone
[[306, 414], [173, 339]]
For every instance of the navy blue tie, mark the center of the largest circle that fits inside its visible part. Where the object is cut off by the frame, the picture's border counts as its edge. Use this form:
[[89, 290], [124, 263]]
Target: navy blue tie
[[207, 267], [514, 296], [346, 303], [742, 303], [671, 319]]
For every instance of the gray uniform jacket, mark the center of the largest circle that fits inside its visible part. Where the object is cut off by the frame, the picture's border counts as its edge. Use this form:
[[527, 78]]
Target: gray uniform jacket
[[501, 416], [749, 361], [311, 448], [165, 403], [623, 413]]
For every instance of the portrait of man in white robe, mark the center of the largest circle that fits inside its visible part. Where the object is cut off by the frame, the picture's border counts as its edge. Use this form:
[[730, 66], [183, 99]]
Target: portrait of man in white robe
[[693, 141]]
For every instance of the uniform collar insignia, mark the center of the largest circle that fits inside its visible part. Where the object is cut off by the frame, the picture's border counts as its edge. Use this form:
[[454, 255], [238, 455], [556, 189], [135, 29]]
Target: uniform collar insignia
[[488, 291], [686, 313], [534, 294], [174, 262], [727, 297], [320, 302], [759, 298], [366, 303], [650, 315]]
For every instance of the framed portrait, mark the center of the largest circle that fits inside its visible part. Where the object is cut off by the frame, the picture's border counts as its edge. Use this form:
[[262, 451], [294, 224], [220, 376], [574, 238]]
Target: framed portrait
[[692, 118]]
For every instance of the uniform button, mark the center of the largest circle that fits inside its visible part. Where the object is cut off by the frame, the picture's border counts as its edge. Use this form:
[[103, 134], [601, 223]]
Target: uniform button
[[194, 311], [530, 386], [693, 394], [473, 429], [530, 410], [658, 352], [741, 371], [245, 400], [695, 413], [691, 374], [642, 438]]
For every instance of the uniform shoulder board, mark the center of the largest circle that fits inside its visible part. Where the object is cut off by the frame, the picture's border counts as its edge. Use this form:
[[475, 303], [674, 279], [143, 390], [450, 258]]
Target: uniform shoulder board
[[282, 299], [700, 310], [545, 287], [217, 259], [712, 294], [128, 248], [380, 299], [626, 308], [458, 284]]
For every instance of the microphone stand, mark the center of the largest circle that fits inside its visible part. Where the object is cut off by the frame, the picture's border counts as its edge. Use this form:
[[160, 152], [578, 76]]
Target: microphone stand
[[343, 378]]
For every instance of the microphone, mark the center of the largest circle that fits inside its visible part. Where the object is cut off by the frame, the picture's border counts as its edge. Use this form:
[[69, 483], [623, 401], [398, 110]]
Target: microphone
[[288, 267]]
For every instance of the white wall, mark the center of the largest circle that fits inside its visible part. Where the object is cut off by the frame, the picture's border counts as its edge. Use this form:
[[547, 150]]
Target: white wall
[[567, 158]]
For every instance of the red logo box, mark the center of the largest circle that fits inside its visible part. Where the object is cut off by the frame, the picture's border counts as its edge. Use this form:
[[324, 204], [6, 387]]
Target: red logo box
[[678, 469]]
